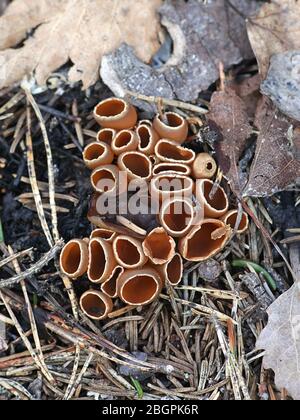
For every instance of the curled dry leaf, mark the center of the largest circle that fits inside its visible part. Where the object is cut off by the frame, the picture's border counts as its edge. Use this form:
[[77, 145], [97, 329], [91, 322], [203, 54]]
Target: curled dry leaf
[[274, 30], [90, 29], [281, 341], [203, 34], [275, 164], [229, 120]]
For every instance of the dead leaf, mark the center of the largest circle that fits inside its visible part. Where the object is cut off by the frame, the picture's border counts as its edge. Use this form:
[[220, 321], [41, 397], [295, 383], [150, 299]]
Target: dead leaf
[[79, 30], [249, 91], [274, 30], [229, 120], [275, 166], [281, 341], [203, 34]]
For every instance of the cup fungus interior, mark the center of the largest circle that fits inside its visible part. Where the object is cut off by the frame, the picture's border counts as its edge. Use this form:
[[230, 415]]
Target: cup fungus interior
[[170, 168], [144, 136], [94, 151], [123, 139], [172, 120], [110, 286], [219, 200], [110, 108], [159, 245], [177, 215], [232, 219], [201, 244], [139, 289], [100, 178], [171, 183], [174, 269], [93, 305], [102, 234], [127, 252], [97, 261], [174, 152], [137, 164], [106, 135], [71, 257]]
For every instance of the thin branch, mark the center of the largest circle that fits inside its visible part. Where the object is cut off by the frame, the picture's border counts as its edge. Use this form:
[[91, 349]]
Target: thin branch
[[36, 268]]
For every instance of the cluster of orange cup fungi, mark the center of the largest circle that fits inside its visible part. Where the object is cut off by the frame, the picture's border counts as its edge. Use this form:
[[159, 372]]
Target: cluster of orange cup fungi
[[132, 264]]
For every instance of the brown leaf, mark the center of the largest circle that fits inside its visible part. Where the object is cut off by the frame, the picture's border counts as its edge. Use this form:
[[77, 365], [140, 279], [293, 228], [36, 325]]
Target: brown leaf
[[275, 29], [249, 91], [275, 166], [81, 30], [228, 118], [281, 341]]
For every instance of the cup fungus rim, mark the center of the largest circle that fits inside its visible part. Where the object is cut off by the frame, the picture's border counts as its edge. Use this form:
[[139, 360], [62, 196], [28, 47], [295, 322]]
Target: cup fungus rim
[[184, 242], [83, 262], [155, 276], [213, 211], [137, 244], [172, 243], [109, 260], [103, 297], [126, 104], [177, 146]]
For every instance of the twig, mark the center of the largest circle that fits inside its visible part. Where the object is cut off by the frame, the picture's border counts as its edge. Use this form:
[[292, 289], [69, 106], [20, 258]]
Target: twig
[[16, 389], [33, 181], [32, 321], [24, 338], [36, 268], [72, 382], [80, 376], [15, 256], [51, 179], [171, 102]]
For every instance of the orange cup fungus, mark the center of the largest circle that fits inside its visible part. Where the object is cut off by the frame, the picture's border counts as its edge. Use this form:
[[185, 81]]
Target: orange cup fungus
[[129, 256]]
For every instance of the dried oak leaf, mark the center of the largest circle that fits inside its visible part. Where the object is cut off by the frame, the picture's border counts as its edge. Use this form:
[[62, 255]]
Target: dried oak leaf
[[203, 34], [275, 29], [281, 341], [229, 120], [79, 30], [275, 164]]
